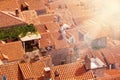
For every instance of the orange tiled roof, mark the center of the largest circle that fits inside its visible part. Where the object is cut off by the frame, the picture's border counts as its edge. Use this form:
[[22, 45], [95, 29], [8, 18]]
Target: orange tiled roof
[[9, 20], [109, 56], [53, 27], [26, 70], [115, 52], [46, 18], [59, 41], [11, 71], [11, 5], [33, 4], [14, 50], [73, 71], [29, 16], [79, 11], [46, 40], [41, 28], [32, 70], [48, 27], [54, 5], [112, 74], [99, 55], [8, 5]]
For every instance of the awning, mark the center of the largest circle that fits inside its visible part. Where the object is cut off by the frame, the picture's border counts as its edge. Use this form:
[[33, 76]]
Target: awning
[[30, 37]]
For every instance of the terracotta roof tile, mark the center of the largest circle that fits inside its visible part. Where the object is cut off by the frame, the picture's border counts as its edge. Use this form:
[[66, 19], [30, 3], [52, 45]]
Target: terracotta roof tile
[[29, 16], [59, 41], [79, 11], [26, 70], [115, 52], [11, 71], [11, 5], [54, 5], [108, 55], [14, 50], [73, 71], [41, 28], [48, 27], [46, 40], [32, 70], [9, 20], [111, 54], [53, 27], [112, 72], [34, 4], [8, 5], [46, 18]]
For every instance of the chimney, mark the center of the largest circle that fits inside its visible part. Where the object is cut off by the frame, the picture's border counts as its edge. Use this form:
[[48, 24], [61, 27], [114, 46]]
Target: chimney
[[87, 63], [47, 73], [17, 12], [26, 6], [45, 27]]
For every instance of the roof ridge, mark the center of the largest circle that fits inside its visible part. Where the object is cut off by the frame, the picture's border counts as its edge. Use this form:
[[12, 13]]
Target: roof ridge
[[17, 18], [11, 43]]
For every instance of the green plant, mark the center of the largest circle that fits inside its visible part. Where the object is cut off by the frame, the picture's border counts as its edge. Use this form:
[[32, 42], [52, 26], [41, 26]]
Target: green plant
[[98, 47], [14, 32]]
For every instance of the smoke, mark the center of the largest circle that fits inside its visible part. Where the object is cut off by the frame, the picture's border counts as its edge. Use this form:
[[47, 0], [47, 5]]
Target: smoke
[[106, 19]]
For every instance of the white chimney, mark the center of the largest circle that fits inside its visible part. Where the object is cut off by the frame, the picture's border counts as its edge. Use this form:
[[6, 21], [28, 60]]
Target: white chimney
[[47, 69]]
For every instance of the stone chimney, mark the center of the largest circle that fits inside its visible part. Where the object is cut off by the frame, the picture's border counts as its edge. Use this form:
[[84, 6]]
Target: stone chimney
[[17, 12]]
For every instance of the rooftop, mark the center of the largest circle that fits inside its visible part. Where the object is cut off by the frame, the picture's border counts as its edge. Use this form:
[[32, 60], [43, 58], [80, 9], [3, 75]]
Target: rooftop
[[8, 20], [72, 71], [32, 70], [13, 50]]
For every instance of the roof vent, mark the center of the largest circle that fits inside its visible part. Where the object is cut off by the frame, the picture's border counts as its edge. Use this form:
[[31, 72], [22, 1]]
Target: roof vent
[[56, 73]]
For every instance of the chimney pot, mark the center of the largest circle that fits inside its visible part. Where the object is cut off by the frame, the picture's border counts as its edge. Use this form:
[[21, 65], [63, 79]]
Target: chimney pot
[[16, 12]]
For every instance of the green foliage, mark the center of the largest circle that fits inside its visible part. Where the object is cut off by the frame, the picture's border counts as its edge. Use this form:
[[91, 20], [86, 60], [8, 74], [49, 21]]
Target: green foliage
[[13, 33], [97, 47]]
